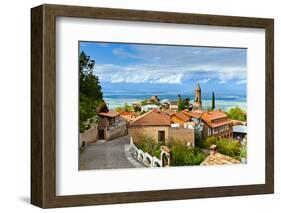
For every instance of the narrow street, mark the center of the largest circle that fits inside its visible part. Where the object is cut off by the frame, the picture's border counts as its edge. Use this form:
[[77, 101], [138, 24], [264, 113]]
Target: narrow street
[[112, 154]]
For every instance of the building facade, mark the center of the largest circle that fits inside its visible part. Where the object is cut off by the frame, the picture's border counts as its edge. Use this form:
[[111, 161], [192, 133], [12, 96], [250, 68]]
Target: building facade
[[158, 126], [111, 125], [216, 124]]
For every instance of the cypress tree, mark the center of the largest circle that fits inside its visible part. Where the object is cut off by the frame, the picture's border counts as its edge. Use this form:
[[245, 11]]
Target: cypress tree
[[213, 101]]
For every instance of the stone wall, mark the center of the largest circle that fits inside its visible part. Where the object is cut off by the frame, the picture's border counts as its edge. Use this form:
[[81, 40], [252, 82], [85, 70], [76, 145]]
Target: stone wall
[[116, 131], [90, 135], [183, 135], [144, 157], [151, 131]]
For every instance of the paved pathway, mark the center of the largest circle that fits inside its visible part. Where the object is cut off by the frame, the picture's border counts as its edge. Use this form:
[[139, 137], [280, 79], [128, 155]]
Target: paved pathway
[[112, 154]]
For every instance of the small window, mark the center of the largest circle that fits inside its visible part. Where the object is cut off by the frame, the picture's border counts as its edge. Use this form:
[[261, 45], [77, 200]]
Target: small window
[[161, 136]]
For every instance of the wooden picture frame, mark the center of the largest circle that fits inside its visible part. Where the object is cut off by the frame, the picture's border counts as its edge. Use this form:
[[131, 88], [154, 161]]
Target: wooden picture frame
[[43, 105]]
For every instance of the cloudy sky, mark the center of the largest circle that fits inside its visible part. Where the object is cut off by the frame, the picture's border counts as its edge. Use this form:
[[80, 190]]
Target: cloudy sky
[[168, 65]]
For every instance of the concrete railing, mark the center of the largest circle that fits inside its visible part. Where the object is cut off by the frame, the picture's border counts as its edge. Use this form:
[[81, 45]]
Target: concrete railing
[[144, 157]]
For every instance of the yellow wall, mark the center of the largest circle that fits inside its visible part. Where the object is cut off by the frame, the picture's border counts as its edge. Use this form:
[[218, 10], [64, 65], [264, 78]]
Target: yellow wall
[[171, 134], [137, 132]]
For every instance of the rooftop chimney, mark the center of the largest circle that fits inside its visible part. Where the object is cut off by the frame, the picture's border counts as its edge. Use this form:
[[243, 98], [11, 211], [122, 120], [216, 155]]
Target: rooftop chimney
[[213, 149]]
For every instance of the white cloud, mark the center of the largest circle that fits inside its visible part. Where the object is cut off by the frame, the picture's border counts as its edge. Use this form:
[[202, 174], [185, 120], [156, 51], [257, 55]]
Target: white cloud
[[241, 81], [168, 74], [173, 65], [204, 81], [222, 82], [139, 74], [122, 53]]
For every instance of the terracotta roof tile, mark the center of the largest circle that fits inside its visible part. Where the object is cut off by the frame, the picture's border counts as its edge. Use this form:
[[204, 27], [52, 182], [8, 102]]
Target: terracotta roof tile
[[219, 159], [213, 115], [110, 114], [170, 112], [152, 118], [184, 117], [192, 114], [215, 118], [127, 113]]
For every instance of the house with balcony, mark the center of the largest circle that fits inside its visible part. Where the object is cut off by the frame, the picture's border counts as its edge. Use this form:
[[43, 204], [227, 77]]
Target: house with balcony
[[216, 124]]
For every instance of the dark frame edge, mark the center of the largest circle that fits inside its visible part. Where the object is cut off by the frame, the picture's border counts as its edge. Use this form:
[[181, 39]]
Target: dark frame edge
[[269, 105], [37, 190]]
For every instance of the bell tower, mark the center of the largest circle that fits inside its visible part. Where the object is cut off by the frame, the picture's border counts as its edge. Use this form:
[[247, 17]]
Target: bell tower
[[198, 100]]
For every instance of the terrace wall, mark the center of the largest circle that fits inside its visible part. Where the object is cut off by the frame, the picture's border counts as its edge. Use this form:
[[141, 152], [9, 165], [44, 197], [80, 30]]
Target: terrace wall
[[184, 135], [116, 131], [90, 135], [151, 131]]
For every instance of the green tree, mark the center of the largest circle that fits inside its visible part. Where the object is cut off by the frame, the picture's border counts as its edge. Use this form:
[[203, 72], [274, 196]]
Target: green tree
[[183, 103], [90, 91], [127, 108], [237, 113], [136, 108], [213, 101], [144, 102], [186, 102], [179, 97]]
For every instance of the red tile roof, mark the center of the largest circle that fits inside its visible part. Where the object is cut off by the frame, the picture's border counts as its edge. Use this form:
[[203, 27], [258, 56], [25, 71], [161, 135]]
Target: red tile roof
[[219, 159], [215, 118], [181, 115], [110, 114], [213, 115], [192, 114], [170, 112], [152, 118], [127, 113]]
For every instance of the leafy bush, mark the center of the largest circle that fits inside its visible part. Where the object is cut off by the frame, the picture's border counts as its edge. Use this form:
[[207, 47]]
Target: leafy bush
[[225, 146], [229, 148], [149, 145], [209, 141], [237, 113], [184, 155], [144, 102], [243, 153]]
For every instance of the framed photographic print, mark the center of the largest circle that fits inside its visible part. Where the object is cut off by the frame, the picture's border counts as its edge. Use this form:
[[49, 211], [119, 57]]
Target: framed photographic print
[[137, 106]]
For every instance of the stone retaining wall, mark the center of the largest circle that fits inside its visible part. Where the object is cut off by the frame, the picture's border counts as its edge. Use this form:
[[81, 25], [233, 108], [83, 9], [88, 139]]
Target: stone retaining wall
[[116, 131], [144, 157]]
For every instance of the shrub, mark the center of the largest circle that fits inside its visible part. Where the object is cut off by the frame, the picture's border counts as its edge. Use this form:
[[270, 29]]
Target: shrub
[[229, 148], [182, 154], [209, 141], [225, 146], [243, 153], [237, 113], [149, 145], [186, 156]]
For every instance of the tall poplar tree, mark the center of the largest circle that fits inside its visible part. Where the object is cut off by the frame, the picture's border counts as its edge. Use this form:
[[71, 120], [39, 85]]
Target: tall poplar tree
[[213, 101]]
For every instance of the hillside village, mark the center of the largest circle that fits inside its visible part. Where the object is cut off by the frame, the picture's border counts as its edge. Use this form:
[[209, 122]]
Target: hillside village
[[162, 133]]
